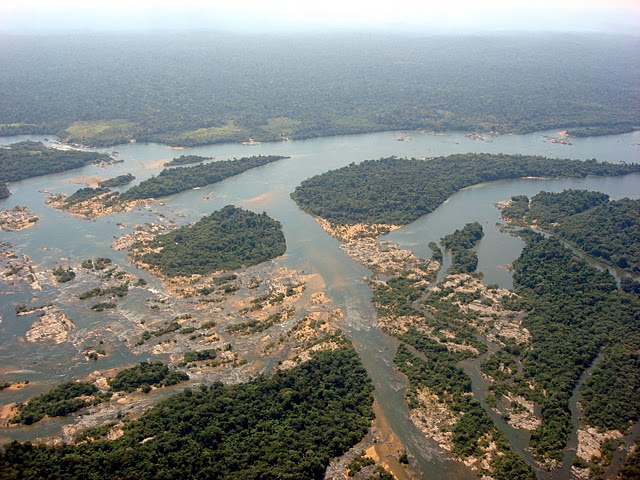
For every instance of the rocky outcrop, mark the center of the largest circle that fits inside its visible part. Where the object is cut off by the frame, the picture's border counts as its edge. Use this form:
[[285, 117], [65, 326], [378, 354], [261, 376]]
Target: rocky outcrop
[[53, 326], [17, 218]]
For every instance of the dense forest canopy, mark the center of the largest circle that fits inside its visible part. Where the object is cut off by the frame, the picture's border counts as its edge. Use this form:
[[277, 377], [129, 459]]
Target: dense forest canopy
[[577, 313], [286, 426], [224, 240], [606, 230], [118, 181], [186, 160], [460, 243], [398, 190], [31, 159], [193, 89]]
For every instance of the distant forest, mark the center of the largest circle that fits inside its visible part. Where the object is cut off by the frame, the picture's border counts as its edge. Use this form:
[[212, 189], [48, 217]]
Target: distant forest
[[191, 89]]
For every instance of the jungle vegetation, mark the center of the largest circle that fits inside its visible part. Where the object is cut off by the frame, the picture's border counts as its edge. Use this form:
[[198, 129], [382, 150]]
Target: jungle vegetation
[[398, 191], [460, 243], [576, 314], [60, 401], [288, 426], [84, 194], [186, 160], [146, 374], [4, 190], [334, 84], [631, 468], [430, 360], [31, 159], [118, 181], [179, 179], [606, 230], [170, 180], [224, 240], [64, 274], [429, 363], [67, 398]]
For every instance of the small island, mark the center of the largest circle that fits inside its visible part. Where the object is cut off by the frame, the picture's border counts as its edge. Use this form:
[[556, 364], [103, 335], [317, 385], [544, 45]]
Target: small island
[[118, 181], [17, 218], [93, 202], [227, 239], [187, 160]]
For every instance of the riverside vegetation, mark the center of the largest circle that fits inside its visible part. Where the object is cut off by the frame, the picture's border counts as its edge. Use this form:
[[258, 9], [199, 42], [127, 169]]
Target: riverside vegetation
[[576, 314], [186, 160], [31, 159], [571, 313], [94, 201], [436, 334], [70, 397]]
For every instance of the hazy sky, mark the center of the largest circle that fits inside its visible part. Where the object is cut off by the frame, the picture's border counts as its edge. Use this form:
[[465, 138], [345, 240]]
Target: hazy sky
[[619, 16]]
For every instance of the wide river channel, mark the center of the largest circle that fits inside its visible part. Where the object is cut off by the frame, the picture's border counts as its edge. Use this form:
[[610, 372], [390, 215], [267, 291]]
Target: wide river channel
[[59, 237]]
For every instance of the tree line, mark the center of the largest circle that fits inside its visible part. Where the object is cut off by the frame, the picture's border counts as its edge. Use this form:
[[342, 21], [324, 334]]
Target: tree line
[[606, 230], [31, 159], [576, 313]]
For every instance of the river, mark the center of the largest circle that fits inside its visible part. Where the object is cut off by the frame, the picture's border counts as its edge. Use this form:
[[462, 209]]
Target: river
[[59, 235]]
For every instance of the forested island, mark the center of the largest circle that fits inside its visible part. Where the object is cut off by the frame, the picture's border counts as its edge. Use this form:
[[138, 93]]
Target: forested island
[[118, 181], [606, 230], [175, 180], [355, 84], [460, 243], [186, 160], [286, 425], [31, 159], [92, 202], [224, 240], [397, 191]]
